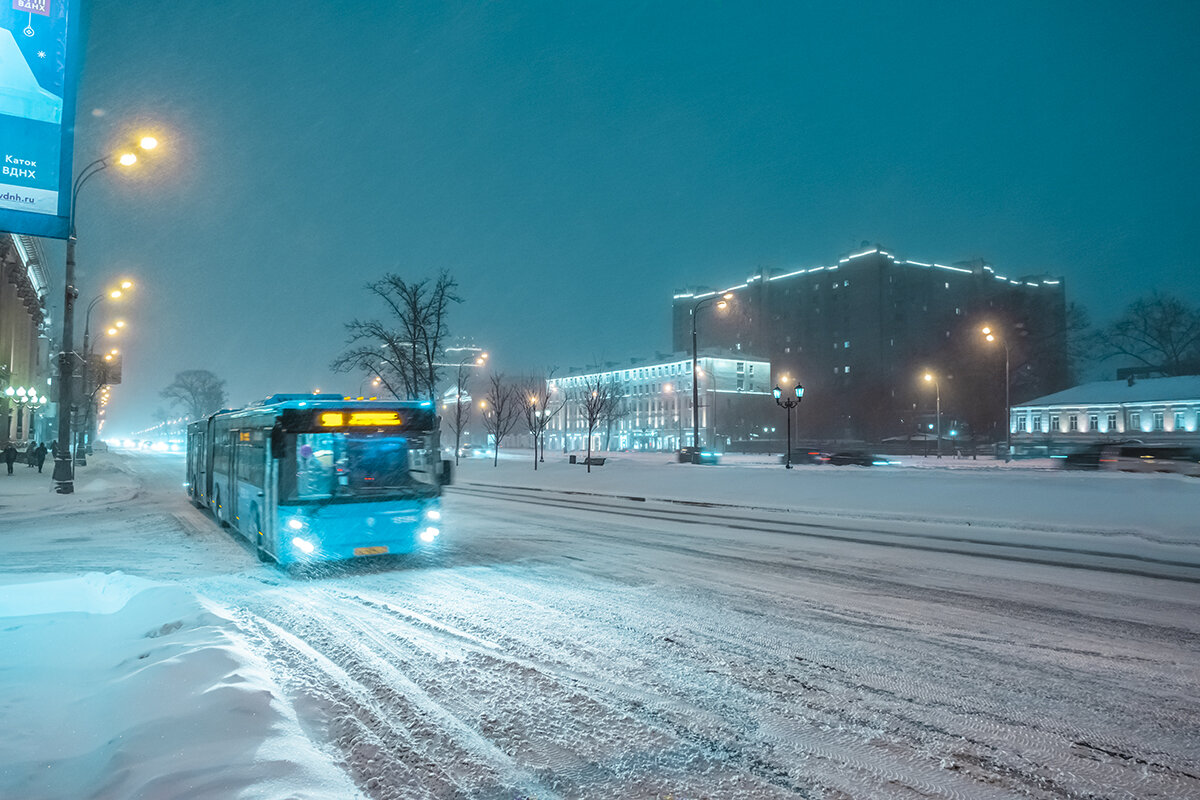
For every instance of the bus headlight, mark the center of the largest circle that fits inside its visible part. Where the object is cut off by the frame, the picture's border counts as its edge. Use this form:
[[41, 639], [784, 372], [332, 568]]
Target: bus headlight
[[296, 524], [429, 534], [303, 545], [433, 514]]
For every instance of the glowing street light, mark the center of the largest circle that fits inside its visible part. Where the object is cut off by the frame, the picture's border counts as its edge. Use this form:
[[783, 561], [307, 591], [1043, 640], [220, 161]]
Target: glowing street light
[[788, 404], [722, 302], [992, 336], [64, 471], [930, 377]]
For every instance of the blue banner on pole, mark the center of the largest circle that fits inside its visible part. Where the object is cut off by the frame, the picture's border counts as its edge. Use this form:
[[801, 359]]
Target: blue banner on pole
[[37, 115]]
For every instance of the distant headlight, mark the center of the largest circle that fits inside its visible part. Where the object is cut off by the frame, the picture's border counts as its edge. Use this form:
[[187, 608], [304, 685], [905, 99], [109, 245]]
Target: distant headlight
[[433, 514], [303, 545]]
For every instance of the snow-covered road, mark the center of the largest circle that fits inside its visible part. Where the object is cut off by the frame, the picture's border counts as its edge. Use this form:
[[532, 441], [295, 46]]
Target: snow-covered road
[[613, 645]]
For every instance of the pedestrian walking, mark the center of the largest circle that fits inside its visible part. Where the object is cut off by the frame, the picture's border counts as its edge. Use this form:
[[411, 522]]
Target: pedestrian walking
[[10, 456], [40, 455], [29, 454]]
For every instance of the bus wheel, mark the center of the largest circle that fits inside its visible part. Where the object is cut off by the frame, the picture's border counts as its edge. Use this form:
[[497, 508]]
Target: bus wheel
[[217, 508], [261, 551]]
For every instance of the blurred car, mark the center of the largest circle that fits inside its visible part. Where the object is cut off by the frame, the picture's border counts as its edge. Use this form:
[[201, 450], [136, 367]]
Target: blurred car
[[1084, 458], [806, 457], [1152, 458], [859, 458], [474, 451], [697, 455]]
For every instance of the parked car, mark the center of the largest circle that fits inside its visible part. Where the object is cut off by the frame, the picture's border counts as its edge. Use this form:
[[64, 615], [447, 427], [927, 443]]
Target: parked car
[[860, 458]]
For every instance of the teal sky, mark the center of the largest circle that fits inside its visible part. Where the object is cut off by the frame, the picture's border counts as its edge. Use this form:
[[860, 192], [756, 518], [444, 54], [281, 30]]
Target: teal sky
[[574, 164]]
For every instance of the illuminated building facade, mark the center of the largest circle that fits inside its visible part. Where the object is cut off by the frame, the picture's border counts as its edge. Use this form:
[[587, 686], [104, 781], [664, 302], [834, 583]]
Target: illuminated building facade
[[860, 333], [1152, 410], [653, 408], [24, 349]]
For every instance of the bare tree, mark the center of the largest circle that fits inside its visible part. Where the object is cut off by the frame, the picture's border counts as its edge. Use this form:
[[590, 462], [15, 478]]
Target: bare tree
[[1159, 331], [539, 406], [462, 413], [502, 411], [403, 351], [596, 400], [617, 409], [198, 391]]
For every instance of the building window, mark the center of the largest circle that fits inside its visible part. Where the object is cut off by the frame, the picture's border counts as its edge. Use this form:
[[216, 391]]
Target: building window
[[1112, 423], [1135, 421], [1073, 422], [1093, 422], [846, 368], [1158, 420], [1054, 423], [1021, 423], [1178, 420], [846, 344]]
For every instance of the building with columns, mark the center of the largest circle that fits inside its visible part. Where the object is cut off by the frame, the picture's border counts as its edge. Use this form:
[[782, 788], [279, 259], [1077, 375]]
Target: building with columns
[[1148, 410], [654, 403], [24, 346]]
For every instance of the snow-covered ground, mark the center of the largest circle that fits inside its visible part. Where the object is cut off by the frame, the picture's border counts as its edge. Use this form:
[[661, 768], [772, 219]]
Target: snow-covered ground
[[956, 629]]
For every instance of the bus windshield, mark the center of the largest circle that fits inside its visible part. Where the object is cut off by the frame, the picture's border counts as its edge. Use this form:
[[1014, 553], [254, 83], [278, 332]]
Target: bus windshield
[[332, 465]]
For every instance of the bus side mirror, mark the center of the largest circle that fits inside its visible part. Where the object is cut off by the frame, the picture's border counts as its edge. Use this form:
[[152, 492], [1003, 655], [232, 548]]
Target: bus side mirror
[[447, 472], [278, 442]]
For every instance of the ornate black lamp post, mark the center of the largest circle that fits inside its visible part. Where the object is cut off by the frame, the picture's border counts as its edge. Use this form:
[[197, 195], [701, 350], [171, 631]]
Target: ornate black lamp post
[[788, 404]]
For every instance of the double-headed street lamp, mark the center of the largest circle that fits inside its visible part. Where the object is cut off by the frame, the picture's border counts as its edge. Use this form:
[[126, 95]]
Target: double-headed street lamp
[[64, 471], [937, 386], [788, 404], [722, 301], [991, 336]]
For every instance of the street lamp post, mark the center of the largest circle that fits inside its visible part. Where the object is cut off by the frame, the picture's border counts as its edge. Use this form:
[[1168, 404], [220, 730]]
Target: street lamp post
[[479, 361], [992, 337], [788, 404], [83, 439], [722, 301], [64, 471], [937, 386]]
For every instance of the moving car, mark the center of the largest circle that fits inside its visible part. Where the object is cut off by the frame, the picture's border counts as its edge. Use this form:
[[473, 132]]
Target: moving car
[[806, 457], [860, 458], [696, 455]]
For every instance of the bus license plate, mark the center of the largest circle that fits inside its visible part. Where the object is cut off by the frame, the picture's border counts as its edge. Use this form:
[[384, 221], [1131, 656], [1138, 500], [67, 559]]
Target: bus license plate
[[370, 551]]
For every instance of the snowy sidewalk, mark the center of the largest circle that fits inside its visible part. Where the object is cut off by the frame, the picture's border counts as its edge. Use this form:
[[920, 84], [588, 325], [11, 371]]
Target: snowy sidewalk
[[112, 685]]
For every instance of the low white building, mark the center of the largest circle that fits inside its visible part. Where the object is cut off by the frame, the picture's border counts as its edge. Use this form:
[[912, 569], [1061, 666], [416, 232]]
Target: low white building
[[655, 407], [1163, 410]]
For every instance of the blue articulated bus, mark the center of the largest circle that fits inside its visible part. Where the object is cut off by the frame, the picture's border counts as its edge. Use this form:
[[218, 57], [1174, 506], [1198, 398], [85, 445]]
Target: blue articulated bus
[[309, 478]]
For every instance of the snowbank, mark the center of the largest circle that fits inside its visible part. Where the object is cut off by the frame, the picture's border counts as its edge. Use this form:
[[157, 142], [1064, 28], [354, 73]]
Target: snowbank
[[115, 686]]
